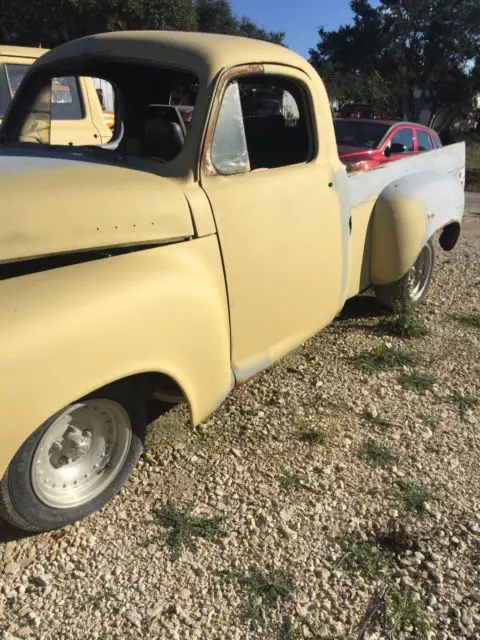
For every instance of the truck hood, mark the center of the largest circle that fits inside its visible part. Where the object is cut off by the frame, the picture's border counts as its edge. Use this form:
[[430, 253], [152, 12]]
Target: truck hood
[[54, 203]]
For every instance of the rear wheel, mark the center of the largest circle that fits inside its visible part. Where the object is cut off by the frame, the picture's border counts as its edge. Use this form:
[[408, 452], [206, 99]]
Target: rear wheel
[[412, 289], [75, 462]]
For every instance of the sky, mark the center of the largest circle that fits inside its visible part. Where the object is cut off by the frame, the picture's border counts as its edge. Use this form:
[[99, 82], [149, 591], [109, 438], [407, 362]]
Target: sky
[[300, 19]]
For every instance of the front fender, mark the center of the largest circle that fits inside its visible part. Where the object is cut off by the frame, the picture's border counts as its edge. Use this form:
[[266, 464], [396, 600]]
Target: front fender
[[406, 215], [71, 330]]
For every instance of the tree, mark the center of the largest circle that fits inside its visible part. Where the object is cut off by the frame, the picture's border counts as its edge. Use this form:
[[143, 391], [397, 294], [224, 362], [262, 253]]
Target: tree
[[46, 23], [404, 49], [216, 16]]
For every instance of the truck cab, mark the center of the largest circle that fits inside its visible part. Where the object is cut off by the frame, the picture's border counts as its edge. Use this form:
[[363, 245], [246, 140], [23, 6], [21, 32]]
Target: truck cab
[[184, 260]]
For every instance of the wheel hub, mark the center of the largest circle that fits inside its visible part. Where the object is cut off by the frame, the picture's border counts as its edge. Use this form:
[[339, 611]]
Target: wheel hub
[[81, 452], [74, 445]]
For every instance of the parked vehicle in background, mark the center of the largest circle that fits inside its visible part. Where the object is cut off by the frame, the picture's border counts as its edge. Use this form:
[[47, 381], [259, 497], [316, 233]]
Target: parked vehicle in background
[[366, 144], [76, 108], [187, 260], [358, 110], [14, 64]]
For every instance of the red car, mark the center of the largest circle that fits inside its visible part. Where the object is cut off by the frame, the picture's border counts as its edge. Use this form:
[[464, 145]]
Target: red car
[[366, 144]]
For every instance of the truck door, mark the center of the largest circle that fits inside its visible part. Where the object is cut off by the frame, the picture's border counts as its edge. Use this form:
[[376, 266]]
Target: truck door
[[278, 216]]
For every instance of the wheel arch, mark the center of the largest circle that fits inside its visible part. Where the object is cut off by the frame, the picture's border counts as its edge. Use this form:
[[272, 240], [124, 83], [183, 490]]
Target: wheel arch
[[406, 215], [71, 331]]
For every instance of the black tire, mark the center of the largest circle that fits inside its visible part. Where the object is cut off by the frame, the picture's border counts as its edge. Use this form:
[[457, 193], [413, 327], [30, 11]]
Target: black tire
[[402, 292], [20, 505]]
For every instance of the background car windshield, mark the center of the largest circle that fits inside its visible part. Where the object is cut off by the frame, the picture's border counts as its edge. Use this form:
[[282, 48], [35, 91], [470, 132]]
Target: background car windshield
[[10, 77], [360, 134]]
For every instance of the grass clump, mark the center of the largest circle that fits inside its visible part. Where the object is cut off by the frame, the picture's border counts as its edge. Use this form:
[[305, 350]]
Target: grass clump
[[383, 358], [463, 402], [263, 591], [469, 320], [311, 436], [293, 483], [405, 613], [377, 455], [418, 382], [404, 322], [272, 585], [413, 497], [363, 556], [184, 529]]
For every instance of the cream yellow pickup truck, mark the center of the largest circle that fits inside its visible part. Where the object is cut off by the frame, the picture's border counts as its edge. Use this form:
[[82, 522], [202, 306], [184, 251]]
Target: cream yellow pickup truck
[[175, 263], [77, 115]]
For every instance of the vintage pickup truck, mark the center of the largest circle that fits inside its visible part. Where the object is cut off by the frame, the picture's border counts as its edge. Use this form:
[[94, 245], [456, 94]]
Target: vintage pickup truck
[[175, 264], [77, 116]]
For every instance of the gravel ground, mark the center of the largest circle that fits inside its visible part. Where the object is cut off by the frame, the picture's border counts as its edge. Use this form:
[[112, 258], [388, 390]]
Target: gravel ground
[[316, 540]]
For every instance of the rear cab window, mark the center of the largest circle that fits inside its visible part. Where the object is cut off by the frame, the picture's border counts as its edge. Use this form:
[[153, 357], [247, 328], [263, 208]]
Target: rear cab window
[[133, 100]]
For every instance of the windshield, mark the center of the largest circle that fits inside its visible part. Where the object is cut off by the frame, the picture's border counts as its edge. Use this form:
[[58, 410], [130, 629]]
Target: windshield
[[12, 75], [367, 135]]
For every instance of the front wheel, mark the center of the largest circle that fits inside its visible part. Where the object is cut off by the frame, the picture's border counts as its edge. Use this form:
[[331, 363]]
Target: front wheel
[[412, 289], [75, 462]]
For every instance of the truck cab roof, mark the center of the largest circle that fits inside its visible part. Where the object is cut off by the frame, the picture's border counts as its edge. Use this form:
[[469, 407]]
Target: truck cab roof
[[204, 53], [9, 51]]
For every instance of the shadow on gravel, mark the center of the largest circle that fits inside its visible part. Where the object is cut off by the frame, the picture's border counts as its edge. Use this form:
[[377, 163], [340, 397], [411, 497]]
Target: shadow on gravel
[[9, 533], [362, 307]]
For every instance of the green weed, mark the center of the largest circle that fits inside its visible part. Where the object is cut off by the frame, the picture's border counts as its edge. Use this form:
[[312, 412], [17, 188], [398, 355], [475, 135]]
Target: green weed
[[293, 483], [377, 455], [463, 402], [363, 556], [413, 497], [383, 358], [184, 529], [404, 322], [417, 381], [406, 613]]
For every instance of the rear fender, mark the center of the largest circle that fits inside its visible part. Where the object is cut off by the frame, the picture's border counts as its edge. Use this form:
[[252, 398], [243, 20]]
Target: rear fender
[[407, 214], [69, 331]]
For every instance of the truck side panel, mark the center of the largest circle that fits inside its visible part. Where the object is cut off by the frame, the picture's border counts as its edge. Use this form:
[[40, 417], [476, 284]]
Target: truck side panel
[[71, 330]]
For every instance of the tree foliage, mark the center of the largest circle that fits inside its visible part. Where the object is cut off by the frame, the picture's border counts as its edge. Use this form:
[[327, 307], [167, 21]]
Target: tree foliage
[[216, 16], [401, 46], [47, 23]]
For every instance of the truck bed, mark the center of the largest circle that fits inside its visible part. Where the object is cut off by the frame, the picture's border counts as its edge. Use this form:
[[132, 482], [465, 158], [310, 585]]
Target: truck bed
[[427, 173]]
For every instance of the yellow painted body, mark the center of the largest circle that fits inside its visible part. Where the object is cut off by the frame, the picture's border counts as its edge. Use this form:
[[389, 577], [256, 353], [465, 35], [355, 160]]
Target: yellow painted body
[[221, 275], [91, 129]]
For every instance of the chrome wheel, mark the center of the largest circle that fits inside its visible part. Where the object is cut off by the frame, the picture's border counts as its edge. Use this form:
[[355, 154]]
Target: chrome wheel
[[81, 453], [419, 276]]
